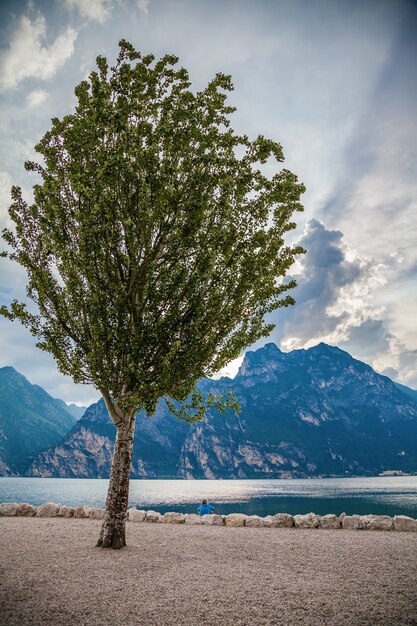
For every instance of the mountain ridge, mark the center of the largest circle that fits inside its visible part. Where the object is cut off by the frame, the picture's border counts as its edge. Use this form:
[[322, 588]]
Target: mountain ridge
[[305, 413], [30, 421], [411, 393]]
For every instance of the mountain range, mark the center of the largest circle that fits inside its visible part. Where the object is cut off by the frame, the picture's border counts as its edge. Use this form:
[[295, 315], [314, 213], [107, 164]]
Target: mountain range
[[30, 421], [305, 413]]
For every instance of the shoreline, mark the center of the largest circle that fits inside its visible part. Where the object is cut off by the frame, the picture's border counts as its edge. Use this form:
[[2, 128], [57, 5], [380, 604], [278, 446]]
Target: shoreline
[[401, 523], [53, 574]]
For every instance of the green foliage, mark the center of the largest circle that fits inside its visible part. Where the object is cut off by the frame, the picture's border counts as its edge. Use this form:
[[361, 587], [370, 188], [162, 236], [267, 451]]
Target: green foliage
[[193, 410], [155, 244]]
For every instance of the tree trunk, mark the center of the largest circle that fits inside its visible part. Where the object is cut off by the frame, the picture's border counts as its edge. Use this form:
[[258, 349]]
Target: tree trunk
[[113, 530]]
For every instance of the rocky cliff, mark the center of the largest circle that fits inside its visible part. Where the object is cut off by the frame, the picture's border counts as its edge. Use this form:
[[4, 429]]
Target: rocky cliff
[[86, 451], [315, 412], [305, 413]]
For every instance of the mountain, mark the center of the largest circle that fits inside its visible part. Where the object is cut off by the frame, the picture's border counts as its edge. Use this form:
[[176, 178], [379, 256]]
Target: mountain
[[73, 409], [30, 421], [315, 412], [411, 393], [86, 451], [305, 413]]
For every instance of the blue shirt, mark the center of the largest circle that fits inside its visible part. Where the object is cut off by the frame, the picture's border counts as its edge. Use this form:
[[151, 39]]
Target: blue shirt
[[205, 509]]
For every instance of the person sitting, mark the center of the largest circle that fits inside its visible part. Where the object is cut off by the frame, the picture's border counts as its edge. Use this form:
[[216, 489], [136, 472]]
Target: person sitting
[[205, 508]]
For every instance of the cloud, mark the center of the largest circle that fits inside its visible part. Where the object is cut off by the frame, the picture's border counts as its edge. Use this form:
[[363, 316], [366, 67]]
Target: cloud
[[37, 97], [398, 362], [373, 203], [94, 10], [101, 10], [27, 57], [18, 349], [333, 294], [368, 339], [143, 6], [5, 200], [336, 303], [231, 369], [391, 372], [377, 182]]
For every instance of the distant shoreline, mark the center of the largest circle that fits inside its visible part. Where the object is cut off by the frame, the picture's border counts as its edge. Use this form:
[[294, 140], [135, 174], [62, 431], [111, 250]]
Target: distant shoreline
[[384, 474]]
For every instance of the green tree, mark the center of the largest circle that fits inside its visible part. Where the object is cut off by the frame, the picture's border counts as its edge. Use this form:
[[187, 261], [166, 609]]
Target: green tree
[[154, 246]]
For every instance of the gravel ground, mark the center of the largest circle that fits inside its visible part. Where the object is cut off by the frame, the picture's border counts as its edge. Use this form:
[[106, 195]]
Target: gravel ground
[[51, 573]]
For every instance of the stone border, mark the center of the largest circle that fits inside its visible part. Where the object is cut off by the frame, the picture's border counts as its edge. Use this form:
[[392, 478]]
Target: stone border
[[280, 520]]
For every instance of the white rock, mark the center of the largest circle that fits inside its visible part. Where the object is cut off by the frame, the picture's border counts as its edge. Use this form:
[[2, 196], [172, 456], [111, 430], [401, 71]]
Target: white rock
[[96, 513], [404, 523], [353, 522], [136, 516], [26, 510], [191, 519], [49, 509], [282, 520], [8, 509], [254, 521], [378, 522], [212, 520], [65, 511], [82, 512], [153, 516], [330, 521], [235, 519], [173, 518], [311, 520]]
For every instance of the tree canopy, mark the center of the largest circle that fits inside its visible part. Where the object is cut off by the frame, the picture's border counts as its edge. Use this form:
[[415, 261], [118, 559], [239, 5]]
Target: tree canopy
[[154, 247]]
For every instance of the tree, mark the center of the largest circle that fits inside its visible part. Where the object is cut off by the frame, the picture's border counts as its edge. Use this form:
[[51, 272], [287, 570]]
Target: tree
[[154, 246]]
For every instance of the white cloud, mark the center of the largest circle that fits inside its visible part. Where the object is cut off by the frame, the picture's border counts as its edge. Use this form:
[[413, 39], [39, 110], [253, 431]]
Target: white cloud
[[143, 6], [5, 186], [5, 199], [24, 150], [37, 97], [377, 182], [94, 10], [398, 362], [231, 369], [334, 294], [28, 58], [337, 302]]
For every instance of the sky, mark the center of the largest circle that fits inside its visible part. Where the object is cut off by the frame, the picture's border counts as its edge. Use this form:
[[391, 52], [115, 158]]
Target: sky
[[334, 81]]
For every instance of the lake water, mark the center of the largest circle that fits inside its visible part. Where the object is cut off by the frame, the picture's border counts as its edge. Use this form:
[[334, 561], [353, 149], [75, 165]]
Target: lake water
[[380, 495]]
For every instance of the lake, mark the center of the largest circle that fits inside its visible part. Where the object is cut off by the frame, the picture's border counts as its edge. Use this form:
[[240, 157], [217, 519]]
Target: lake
[[379, 495]]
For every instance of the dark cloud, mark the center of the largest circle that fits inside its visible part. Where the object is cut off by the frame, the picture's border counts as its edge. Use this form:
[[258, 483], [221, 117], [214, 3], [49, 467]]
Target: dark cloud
[[326, 270], [334, 304], [368, 339], [407, 362]]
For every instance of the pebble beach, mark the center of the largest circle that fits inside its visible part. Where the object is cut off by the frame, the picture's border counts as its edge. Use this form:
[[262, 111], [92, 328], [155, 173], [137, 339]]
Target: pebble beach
[[52, 574]]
